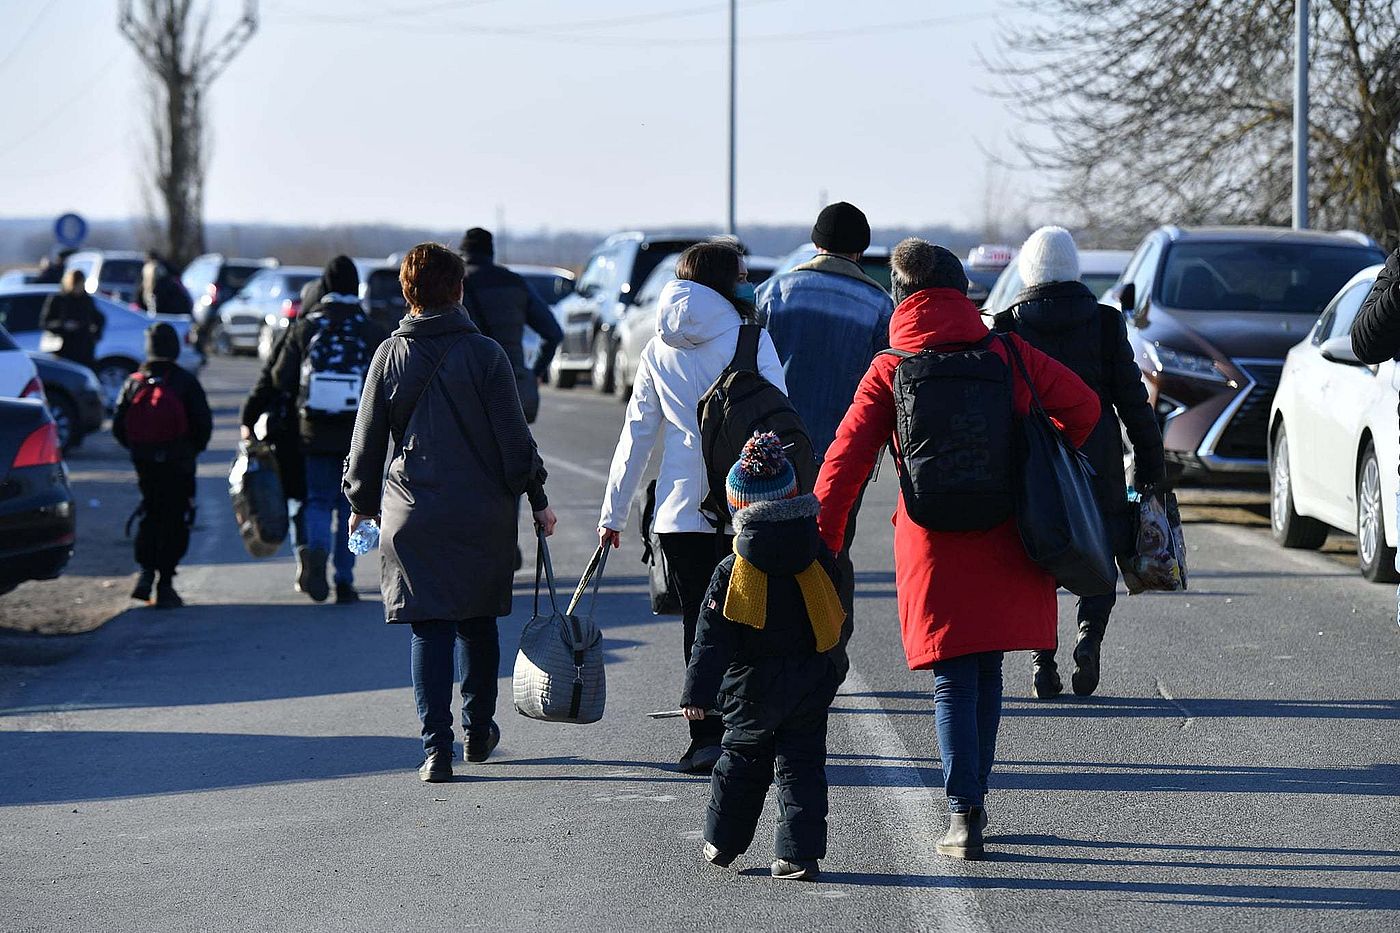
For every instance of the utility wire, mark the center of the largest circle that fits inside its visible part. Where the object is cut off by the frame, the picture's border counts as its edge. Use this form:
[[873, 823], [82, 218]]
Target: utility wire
[[29, 31], [54, 113], [555, 29]]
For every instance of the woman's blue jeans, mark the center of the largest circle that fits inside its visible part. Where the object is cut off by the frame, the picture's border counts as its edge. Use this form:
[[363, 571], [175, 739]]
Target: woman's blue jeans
[[967, 711], [437, 647]]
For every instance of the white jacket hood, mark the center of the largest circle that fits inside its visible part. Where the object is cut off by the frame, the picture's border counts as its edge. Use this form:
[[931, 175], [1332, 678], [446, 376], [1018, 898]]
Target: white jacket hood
[[690, 315]]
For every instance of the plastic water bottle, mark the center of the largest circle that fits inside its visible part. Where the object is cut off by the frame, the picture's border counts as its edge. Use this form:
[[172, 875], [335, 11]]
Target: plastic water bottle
[[364, 538]]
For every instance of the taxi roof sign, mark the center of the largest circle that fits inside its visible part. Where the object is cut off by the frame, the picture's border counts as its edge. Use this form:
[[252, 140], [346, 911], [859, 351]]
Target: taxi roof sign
[[990, 255]]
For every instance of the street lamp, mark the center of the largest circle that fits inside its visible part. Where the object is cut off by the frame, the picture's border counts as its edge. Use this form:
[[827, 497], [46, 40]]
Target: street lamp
[[1300, 118]]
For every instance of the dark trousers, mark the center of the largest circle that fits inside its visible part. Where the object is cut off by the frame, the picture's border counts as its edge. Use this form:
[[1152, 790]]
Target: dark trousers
[[1093, 613], [691, 559], [781, 740], [436, 649], [967, 713], [167, 512]]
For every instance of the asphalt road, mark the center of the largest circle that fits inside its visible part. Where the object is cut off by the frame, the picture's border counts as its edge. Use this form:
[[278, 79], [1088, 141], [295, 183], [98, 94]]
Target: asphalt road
[[248, 763]]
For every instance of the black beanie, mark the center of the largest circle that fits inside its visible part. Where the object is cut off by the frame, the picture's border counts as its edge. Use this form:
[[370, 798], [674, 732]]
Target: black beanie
[[841, 228], [162, 343], [478, 242], [340, 277]]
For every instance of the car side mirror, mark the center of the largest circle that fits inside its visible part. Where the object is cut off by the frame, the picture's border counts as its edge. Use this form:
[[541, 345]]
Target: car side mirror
[[1338, 350], [1127, 298]]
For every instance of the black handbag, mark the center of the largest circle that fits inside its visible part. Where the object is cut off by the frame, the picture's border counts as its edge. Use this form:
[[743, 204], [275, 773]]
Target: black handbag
[[1061, 523], [664, 600]]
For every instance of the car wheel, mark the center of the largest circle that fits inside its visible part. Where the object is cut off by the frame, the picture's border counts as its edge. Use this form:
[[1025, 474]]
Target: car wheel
[[604, 357], [65, 419], [1290, 529], [1377, 559], [559, 377], [622, 370], [111, 374]]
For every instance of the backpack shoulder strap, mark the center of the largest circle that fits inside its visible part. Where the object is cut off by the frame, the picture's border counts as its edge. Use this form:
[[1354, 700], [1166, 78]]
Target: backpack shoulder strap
[[900, 355], [746, 350]]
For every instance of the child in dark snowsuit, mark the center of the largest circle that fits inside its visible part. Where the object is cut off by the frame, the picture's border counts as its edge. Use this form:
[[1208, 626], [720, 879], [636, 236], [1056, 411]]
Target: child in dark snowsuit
[[163, 418], [770, 649]]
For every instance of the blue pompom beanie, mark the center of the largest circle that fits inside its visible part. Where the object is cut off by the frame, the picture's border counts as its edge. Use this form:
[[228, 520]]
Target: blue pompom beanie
[[762, 473]]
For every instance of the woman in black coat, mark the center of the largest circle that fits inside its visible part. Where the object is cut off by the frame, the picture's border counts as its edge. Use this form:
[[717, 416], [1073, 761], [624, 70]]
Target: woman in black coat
[[1057, 314], [443, 397], [72, 315]]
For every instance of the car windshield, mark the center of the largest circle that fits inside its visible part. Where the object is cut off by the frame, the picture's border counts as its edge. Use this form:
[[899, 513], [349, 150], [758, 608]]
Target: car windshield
[[877, 269], [295, 281], [120, 272], [649, 258], [1296, 278], [549, 288]]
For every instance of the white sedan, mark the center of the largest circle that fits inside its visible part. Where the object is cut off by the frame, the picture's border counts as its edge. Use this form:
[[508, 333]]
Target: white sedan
[[1333, 445]]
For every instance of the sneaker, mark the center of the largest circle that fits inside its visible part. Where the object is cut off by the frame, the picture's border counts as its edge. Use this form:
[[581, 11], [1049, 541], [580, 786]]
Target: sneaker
[[479, 747], [311, 573], [964, 836], [701, 760], [1046, 683], [793, 870], [345, 594], [145, 582], [436, 767], [716, 857], [166, 597]]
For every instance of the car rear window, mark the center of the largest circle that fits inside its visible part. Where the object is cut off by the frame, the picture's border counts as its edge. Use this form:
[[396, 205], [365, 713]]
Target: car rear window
[[234, 276], [549, 288], [120, 272], [1296, 278], [384, 287], [5, 342], [651, 255]]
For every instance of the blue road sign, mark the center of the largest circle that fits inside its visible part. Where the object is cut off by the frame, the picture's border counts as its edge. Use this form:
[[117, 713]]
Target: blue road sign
[[70, 230]]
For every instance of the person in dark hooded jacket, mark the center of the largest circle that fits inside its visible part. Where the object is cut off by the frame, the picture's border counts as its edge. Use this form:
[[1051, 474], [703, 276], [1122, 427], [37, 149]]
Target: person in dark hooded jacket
[[1058, 315], [440, 405], [322, 364], [770, 646]]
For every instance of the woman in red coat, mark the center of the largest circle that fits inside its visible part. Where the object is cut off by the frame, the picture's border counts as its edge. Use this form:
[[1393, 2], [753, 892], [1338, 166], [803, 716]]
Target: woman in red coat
[[964, 597]]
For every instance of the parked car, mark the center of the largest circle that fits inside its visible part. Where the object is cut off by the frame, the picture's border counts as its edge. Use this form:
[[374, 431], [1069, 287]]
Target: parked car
[[74, 398], [18, 277], [984, 265], [551, 284], [382, 295], [1099, 269], [638, 324], [267, 303], [1212, 312], [607, 286], [1333, 449], [37, 520], [114, 273], [123, 343], [875, 262], [212, 279], [18, 377]]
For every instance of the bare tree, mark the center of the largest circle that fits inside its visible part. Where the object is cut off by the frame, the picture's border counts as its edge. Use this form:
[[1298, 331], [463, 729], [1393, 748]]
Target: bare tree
[[172, 40], [1181, 110]]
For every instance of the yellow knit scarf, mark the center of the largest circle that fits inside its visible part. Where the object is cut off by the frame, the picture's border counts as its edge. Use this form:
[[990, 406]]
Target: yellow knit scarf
[[747, 600]]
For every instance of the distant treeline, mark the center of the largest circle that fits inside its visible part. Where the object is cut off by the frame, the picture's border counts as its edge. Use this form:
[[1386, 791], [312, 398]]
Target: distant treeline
[[23, 241]]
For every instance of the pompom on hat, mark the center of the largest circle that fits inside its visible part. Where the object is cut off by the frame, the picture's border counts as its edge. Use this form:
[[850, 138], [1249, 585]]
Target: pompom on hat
[[762, 473]]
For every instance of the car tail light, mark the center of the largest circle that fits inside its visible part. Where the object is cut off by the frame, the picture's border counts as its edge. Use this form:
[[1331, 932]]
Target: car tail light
[[291, 307], [213, 294], [34, 389], [41, 448]]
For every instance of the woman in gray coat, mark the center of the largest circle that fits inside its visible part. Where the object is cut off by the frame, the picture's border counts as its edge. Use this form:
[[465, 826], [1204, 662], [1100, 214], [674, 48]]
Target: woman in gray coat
[[443, 396]]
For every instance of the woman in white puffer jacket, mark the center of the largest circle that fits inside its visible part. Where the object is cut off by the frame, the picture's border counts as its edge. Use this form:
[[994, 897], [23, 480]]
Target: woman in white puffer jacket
[[697, 329]]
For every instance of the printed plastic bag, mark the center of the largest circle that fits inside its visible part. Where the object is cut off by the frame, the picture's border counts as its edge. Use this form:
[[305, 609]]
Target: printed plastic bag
[[259, 505], [1159, 561]]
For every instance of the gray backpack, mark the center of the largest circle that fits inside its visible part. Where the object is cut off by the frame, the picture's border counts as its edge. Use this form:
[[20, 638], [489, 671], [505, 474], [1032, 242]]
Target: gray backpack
[[559, 674]]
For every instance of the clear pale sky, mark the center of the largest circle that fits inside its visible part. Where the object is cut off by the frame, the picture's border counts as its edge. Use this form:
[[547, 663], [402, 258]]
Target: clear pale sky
[[566, 114]]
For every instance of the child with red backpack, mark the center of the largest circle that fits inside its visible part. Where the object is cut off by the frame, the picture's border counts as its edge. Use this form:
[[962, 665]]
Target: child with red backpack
[[163, 419]]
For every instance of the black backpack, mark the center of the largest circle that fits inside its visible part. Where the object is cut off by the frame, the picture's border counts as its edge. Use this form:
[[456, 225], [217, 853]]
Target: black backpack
[[333, 370], [740, 403], [954, 436]]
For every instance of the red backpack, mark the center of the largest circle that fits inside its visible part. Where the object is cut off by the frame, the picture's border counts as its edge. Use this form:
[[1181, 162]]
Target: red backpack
[[157, 414]]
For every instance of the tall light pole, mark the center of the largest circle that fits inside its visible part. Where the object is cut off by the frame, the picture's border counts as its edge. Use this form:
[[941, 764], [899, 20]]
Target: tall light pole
[[732, 226], [1300, 118]]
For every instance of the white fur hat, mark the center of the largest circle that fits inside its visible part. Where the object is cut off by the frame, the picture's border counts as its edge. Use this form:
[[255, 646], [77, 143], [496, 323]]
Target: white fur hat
[[1049, 255]]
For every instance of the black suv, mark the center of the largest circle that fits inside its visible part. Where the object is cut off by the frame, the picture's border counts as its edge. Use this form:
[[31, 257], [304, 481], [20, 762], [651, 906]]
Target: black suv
[[1212, 311], [590, 315]]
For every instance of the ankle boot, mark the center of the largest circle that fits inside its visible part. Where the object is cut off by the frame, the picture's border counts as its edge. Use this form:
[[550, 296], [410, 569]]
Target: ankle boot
[[144, 584], [1086, 658], [166, 597], [964, 836], [1045, 673]]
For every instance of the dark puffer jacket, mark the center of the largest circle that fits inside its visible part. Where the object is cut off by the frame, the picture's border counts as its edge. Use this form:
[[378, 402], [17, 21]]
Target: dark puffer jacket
[[1375, 336], [502, 305], [460, 458], [1065, 321], [735, 660]]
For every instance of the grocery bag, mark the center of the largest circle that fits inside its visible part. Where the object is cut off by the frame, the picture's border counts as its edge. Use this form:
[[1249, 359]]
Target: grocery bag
[[1159, 559], [259, 506]]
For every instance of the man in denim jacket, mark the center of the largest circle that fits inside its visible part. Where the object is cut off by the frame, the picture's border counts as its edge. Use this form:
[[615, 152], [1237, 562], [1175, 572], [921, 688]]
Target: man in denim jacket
[[828, 319]]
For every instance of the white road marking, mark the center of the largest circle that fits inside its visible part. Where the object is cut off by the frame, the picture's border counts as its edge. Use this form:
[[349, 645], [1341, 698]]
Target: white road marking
[[596, 475], [914, 813]]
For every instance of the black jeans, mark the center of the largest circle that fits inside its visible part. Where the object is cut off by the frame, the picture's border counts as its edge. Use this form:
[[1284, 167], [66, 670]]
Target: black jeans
[[782, 740], [691, 559], [167, 512], [434, 654]]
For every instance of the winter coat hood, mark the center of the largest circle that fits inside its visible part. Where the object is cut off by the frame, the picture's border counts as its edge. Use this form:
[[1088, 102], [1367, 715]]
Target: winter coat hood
[[779, 537], [1055, 307], [340, 277], [690, 315], [933, 317], [434, 321]]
